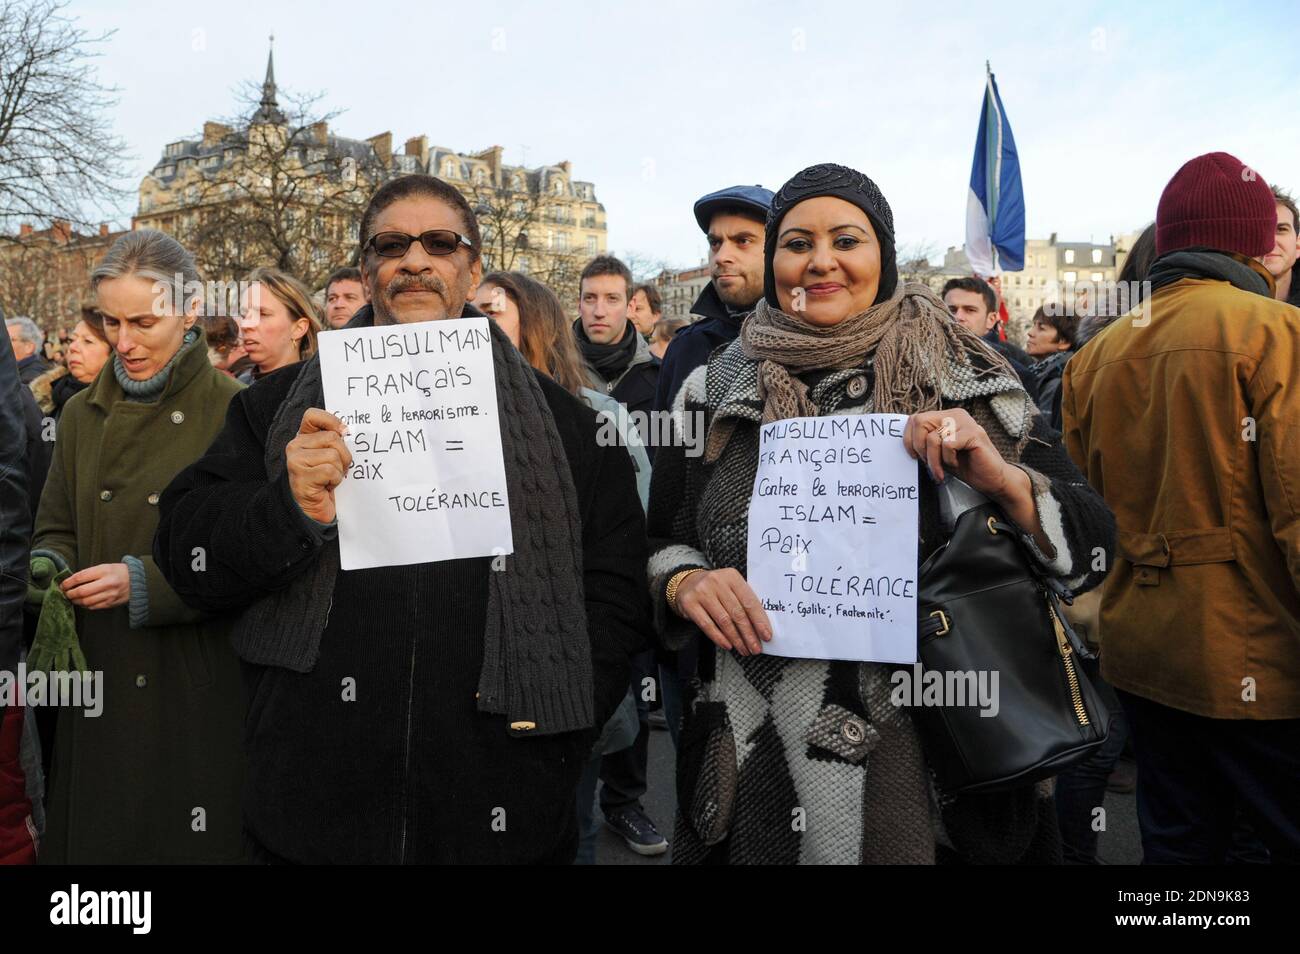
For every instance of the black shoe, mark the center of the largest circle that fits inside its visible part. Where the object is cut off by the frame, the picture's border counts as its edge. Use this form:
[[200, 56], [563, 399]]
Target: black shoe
[[635, 827]]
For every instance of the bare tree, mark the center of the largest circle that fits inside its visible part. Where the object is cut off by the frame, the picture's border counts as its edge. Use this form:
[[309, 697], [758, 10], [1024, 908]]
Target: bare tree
[[23, 271], [644, 267], [518, 228], [914, 262], [57, 152], [44, 275], [287, 196]]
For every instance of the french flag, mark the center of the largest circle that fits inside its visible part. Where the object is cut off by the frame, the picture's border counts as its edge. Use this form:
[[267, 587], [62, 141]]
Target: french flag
[[995, 207]]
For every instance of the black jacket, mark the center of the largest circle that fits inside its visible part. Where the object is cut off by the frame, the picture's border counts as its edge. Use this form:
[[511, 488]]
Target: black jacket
[[40, 452], [407, 769], [15, 509], [1047, 373], [634, 385], [692, 345], [32, 367]]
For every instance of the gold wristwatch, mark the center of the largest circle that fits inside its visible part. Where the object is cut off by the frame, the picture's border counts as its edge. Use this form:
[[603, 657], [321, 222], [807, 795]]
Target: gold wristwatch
[[675, 581]]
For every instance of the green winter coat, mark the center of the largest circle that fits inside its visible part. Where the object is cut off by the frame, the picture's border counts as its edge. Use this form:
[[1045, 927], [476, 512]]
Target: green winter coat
[[155, 778]]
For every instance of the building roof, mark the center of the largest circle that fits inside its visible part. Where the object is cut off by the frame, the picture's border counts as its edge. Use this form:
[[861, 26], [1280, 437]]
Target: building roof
[[220, 144]]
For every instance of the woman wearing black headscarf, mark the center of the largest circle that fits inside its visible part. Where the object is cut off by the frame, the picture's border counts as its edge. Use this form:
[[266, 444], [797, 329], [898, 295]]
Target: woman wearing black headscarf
[[787, 760]]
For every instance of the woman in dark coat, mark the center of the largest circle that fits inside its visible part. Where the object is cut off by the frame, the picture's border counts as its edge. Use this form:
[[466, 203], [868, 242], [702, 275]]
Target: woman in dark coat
[[786, 760], [154, 776]]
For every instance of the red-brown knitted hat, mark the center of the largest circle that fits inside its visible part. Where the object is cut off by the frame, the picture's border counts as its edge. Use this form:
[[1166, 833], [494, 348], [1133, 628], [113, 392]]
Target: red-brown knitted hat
[[1217, 201]]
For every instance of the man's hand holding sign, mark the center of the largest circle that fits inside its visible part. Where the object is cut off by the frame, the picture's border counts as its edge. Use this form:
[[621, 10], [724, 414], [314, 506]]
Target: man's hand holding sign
[[317, 461]]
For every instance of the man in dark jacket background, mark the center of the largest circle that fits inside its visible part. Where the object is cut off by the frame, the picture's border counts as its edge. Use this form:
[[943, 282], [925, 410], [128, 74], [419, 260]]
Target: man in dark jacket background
[[27, 341], [619, 363], [732, 220], [618, 358], [427, 712]]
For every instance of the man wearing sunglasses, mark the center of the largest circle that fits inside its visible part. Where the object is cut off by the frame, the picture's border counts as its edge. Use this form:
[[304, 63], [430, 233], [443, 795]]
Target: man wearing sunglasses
[[433, 713]]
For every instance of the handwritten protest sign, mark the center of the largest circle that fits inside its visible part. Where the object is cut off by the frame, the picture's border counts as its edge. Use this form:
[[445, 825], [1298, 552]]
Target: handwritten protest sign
[[428, 480], [833, 538]]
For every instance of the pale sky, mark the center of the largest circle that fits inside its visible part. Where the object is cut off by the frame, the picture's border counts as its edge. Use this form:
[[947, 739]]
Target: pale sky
[[659, 103]]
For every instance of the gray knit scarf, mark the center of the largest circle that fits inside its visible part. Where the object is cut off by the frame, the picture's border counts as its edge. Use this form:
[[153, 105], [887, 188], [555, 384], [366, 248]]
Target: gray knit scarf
[[143, 392], [536, 649]]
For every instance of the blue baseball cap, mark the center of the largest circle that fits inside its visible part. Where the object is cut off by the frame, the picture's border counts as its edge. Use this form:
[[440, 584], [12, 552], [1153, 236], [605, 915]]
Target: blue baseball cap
[[746, 197]]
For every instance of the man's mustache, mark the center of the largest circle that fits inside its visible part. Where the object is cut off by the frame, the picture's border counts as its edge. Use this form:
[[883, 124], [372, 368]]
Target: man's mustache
[[429, 283]]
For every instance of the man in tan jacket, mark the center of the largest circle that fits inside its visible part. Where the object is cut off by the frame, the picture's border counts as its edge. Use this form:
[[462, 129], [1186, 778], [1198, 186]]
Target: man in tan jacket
[[1185, 416]]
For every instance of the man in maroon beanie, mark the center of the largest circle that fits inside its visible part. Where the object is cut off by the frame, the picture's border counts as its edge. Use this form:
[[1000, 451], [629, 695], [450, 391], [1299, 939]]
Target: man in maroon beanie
[[1185, 415]]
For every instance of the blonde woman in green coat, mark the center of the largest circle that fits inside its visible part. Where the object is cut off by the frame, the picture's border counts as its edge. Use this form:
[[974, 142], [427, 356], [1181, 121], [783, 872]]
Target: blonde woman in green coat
[[155, 777]]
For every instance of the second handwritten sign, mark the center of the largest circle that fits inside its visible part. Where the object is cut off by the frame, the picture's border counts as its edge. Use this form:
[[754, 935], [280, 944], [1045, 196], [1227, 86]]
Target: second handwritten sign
[[833, 538]]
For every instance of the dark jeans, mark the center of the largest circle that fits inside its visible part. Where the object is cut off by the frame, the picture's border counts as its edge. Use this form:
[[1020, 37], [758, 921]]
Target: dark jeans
[[1195, 774], [588, 825], [1081, 789], [623, 772]]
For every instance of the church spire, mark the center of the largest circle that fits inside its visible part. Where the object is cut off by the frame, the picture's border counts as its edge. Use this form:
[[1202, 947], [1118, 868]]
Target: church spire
[[269, 110]]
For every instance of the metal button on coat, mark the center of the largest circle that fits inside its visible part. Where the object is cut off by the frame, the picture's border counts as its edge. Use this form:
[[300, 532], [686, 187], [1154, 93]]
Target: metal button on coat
[[106, 495], [153, 498], [857, 387], [177, 417], [141, 681], [853, 731]]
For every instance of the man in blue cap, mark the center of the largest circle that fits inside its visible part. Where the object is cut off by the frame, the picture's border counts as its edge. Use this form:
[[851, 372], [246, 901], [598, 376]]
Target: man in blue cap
[[732, 218]]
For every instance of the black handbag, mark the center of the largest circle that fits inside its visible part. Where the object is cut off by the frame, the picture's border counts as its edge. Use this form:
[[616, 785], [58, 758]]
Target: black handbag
[[984, 607]]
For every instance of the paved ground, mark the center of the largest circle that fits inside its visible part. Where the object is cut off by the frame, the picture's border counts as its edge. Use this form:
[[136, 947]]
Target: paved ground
[[1119, 844]]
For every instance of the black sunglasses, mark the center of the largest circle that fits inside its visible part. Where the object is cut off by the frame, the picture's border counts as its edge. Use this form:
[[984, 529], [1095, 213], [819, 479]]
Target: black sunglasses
[[435, 242]]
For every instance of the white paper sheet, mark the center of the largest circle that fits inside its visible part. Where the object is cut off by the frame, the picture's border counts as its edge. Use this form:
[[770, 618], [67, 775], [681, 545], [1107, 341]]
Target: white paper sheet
[[428, 480], [833, 538]]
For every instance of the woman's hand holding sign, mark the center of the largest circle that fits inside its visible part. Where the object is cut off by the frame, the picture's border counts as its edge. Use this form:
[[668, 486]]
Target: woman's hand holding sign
[[725, 608], [317, 461], [954, 440]]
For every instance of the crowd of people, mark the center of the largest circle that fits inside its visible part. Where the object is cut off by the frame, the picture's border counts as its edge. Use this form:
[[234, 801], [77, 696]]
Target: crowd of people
[[168, 522]]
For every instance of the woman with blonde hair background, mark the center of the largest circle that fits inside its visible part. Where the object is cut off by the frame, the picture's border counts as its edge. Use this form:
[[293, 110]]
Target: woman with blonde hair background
[[278, 321]]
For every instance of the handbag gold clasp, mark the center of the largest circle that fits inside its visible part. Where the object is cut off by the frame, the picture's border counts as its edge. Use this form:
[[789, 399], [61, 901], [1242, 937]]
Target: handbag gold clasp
[[943, 618]]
